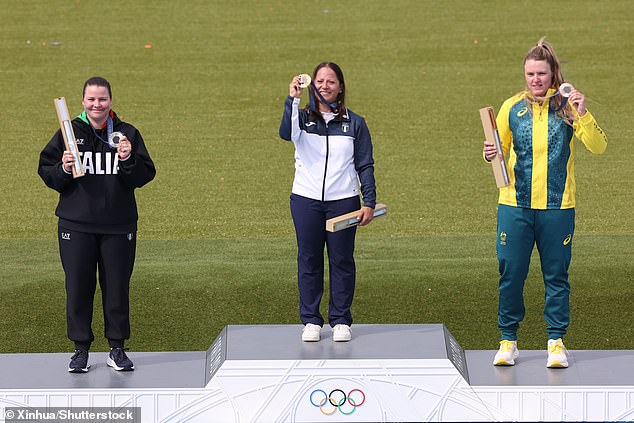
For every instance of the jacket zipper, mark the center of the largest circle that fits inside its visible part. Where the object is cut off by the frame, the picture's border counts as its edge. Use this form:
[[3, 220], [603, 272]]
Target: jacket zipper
[[323, 186]]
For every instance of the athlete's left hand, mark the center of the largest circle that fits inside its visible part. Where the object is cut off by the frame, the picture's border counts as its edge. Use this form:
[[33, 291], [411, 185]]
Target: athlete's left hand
[[124, 149], [578, 101], [365, 215]]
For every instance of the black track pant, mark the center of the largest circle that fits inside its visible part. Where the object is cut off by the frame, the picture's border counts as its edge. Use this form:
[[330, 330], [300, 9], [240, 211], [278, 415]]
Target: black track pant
[[113, 255]]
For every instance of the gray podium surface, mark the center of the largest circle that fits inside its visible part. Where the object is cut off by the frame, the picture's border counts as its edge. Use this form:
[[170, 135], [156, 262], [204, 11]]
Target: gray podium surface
[[283, 342], [586, 368], [152, 370]]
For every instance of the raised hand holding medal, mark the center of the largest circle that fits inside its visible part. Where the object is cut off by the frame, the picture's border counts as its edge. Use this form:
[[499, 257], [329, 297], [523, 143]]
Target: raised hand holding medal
[[298, 83], [304, 80], [574, 97], [124, 147]]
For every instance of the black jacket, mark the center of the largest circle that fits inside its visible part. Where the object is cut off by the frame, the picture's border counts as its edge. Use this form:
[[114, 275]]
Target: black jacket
[[103, 200]]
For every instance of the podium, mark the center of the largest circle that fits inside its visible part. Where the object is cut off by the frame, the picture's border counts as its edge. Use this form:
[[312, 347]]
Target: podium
[[265, 373], [392, 372]]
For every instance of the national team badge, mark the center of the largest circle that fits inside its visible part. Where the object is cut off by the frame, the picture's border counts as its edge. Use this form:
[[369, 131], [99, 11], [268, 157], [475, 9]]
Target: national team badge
[[345, 127]]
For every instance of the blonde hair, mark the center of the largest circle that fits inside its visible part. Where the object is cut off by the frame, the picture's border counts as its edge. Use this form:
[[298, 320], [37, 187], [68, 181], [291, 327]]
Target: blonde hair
[[543, 50]]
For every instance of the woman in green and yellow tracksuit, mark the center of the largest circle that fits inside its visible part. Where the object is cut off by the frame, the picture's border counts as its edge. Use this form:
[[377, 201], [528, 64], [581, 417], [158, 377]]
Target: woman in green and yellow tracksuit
[[537, 129]]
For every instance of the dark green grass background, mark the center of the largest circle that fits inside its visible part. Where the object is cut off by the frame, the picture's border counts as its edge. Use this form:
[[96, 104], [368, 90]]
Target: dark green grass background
[[216, 239]]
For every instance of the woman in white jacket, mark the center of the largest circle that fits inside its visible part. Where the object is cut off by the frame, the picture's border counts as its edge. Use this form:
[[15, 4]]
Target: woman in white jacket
[[333, 156]]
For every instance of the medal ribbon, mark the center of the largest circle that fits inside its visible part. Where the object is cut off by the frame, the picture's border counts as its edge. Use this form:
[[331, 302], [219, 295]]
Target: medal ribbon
[[311, 98], [110, 128], [561, 106]]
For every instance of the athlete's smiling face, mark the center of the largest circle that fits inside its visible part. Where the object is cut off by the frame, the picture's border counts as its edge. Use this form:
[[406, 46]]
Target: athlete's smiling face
[[327, 84], [539, 76], [97, 104]]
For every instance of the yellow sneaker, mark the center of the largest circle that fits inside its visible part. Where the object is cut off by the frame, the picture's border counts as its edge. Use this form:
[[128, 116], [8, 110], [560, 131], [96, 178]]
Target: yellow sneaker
[[507, 354], [557, 354]]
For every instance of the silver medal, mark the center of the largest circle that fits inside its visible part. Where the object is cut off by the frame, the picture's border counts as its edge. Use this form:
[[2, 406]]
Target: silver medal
[[114, 139]]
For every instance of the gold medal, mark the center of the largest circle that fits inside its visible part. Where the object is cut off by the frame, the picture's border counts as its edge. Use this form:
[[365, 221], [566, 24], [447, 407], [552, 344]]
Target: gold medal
[[304, 80]]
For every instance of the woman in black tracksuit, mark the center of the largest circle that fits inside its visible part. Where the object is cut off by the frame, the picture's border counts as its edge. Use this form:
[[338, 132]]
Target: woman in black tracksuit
[[97, 220], [333, 154]]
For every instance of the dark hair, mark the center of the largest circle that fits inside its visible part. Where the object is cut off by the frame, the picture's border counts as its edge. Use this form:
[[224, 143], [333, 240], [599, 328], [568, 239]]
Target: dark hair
[[98, 81], [341, 97]]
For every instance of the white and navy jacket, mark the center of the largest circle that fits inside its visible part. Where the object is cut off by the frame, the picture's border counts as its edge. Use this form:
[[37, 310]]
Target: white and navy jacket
[[331, 159]]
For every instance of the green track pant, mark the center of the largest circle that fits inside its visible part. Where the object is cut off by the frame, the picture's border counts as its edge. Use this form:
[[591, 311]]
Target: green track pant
[[519, 229]]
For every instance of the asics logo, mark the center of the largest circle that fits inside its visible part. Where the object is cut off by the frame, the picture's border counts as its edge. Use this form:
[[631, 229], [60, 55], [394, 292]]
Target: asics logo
[[568, 239], [522, 112], [336, 400]]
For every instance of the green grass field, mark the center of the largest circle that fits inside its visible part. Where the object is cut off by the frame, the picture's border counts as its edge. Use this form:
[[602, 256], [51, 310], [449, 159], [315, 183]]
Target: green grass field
[[216, 239]]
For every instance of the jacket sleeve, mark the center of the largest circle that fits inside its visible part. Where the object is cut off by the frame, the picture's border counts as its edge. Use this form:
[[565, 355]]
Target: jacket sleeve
[[504, 130], [50, 164], [590, 134], [290, 125], [364, 163], [138, 169]]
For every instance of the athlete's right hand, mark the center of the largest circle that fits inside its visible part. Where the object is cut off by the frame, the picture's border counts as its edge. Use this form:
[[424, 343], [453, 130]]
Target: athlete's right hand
[[489, 151], [294, 88], [68, 161]]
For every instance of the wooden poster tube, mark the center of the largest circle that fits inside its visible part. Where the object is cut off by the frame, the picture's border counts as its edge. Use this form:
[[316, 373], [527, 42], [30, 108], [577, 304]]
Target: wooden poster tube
[[491, 135], [69, 136], [349, 219]]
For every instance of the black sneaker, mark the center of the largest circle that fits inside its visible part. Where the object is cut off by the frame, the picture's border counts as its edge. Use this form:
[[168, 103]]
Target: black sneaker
[[79, 362], [118, 360]]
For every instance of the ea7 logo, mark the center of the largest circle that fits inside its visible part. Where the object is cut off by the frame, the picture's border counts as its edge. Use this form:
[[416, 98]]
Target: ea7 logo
[[79, 141], [66, 236]]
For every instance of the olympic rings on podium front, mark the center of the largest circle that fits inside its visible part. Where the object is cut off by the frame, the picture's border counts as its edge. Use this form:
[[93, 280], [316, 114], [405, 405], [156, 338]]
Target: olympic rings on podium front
[[337, 399]]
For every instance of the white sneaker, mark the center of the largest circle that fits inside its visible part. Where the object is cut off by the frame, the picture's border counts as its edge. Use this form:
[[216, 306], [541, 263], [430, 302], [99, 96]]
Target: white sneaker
[[557, 353], [311, 333], [341, 333], [507, 354]]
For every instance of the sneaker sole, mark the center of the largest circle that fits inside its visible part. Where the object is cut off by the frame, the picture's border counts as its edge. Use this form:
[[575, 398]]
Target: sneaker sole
[[503, 362], [556, 365], [79, 369], [307, 339], [346, 339], [112, 364]]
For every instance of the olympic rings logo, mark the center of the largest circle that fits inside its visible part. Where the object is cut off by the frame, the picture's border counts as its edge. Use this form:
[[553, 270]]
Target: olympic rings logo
[[337, 400]]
